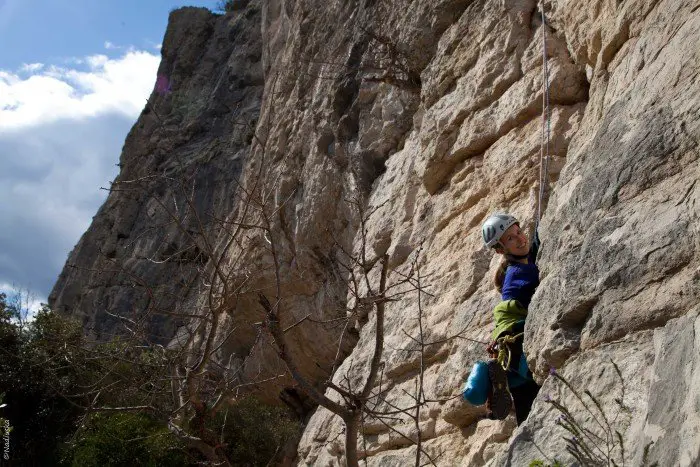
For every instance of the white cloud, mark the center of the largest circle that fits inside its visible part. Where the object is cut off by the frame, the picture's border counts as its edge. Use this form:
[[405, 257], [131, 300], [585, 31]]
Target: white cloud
[[109, 45], [153, 45], [61, 133], [31, 67], [107, 86]]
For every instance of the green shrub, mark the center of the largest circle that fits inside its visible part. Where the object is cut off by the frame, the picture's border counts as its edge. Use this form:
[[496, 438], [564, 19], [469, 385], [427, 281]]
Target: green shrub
[[229, 6], [255, 433], [541, 463], [49, 373], [124, 438], [34, 375]]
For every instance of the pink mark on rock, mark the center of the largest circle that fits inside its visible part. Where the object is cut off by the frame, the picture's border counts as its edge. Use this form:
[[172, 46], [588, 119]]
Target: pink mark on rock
[[163, 85]]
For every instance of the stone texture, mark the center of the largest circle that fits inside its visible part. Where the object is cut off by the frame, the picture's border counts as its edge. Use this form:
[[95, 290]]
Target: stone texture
[[435, 192], [625, 212], [669, 426], [432, 142], [620, 232]]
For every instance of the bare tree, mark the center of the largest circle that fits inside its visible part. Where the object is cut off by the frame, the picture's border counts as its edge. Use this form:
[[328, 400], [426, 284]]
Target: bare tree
[[191, 383], [188, 385]]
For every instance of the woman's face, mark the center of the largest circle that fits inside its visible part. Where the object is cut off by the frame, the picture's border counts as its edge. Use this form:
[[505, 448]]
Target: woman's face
[[514, 241]]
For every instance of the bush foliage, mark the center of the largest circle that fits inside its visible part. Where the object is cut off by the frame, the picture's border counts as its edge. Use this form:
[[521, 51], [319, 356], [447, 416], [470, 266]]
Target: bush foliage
[[48, 373], [111, 439], [256, 432], [229, 6]]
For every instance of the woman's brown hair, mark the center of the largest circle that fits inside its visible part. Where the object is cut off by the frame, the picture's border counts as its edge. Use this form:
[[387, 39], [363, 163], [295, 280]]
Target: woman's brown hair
[[500, 275]]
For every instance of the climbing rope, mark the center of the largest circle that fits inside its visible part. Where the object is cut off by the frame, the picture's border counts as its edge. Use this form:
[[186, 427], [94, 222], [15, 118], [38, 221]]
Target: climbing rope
[[504, 354], [544, 140]]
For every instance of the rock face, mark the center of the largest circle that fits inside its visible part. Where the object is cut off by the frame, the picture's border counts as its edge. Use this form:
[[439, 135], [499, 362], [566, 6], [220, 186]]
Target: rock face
[[428, 113], [183, 148]]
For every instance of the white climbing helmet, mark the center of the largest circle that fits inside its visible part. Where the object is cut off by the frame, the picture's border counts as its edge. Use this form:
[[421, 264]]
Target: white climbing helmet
[[495, 226]]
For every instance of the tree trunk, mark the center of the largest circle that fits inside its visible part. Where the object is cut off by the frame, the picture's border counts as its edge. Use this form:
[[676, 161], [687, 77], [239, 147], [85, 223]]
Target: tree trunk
[[352, 426]]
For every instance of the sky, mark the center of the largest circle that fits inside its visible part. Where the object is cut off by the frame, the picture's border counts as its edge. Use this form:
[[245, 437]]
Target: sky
[[74, 77]]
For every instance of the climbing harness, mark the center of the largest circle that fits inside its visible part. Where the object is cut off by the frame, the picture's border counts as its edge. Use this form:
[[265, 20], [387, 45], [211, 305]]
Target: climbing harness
[[546, 123]]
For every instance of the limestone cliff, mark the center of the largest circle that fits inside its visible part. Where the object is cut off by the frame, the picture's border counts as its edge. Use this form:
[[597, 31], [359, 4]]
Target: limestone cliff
[[213, 69], [429, 112]]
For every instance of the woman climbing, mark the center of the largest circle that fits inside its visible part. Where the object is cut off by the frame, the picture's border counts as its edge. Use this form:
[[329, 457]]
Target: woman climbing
[[516, 279]]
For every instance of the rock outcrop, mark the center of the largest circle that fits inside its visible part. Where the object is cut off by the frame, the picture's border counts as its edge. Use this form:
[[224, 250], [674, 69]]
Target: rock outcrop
[[185, 147], [428, 114]]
